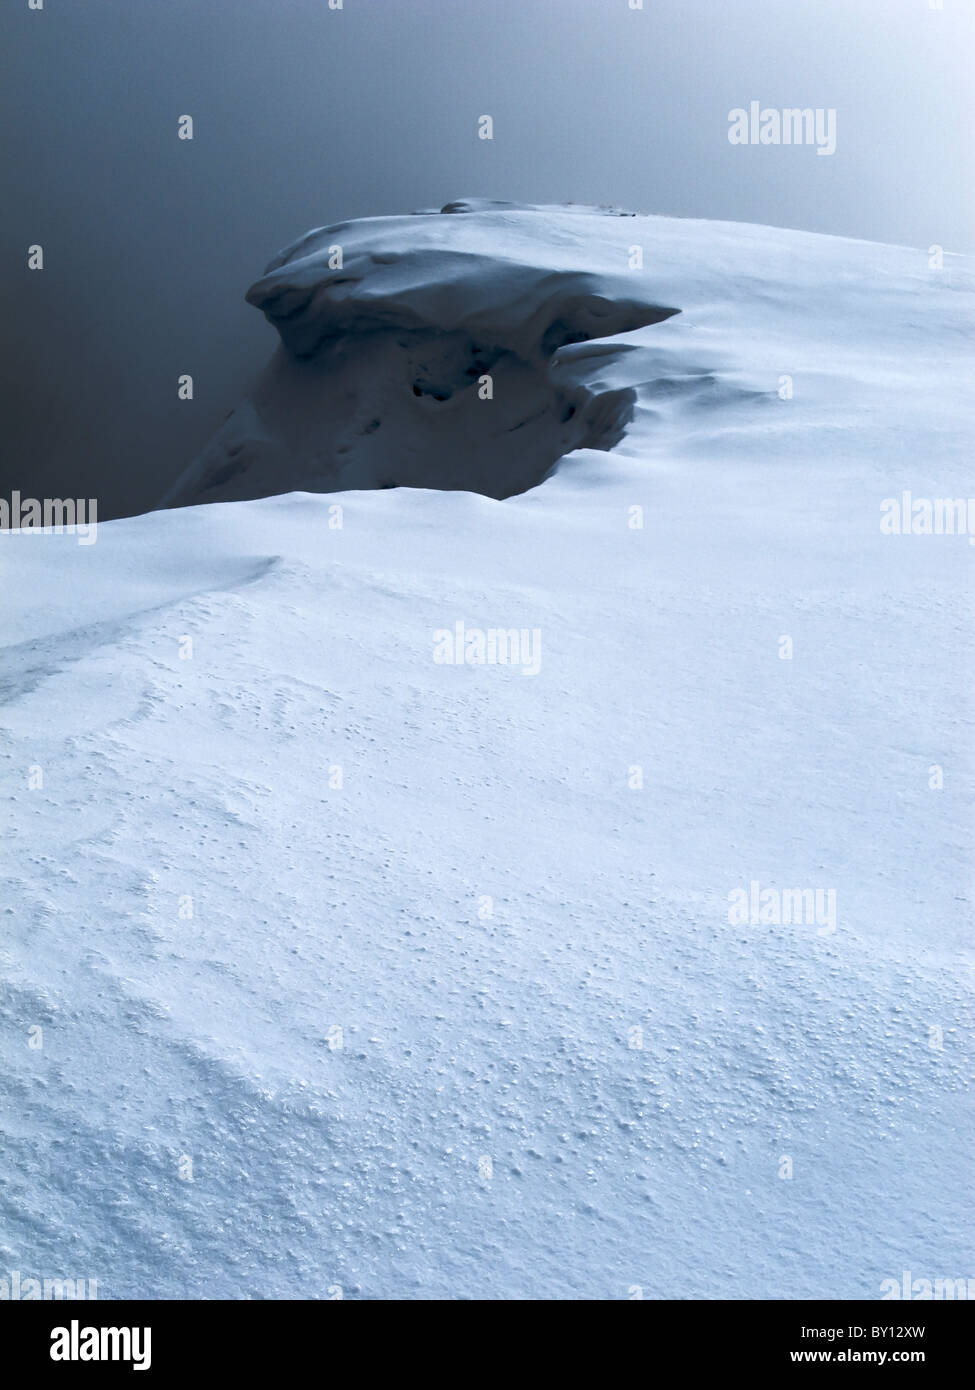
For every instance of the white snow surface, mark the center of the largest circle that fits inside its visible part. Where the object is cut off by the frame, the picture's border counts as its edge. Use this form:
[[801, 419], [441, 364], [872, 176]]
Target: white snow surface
[[590, 1085]]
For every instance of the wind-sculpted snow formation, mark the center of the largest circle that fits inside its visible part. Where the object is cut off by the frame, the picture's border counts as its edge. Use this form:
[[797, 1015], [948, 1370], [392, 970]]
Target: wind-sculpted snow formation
[[427, 351], [333, 964]]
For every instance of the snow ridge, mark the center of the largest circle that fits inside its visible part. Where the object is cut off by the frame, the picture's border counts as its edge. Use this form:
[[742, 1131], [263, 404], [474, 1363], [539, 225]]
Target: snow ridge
[[423, 360]]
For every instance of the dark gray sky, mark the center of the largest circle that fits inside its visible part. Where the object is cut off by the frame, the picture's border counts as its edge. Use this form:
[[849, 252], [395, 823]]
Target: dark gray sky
[[305, 115]]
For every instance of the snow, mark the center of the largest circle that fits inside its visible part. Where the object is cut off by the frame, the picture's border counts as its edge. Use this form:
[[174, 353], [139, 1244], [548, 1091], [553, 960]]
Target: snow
[[414, 353], [588, 1085]]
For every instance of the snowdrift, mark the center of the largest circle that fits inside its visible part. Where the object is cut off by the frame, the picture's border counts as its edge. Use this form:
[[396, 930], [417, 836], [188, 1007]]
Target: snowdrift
[[332, 967], [424, 351]]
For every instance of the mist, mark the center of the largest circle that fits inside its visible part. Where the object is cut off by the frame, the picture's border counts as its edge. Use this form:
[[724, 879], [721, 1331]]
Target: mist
[[305, 115]]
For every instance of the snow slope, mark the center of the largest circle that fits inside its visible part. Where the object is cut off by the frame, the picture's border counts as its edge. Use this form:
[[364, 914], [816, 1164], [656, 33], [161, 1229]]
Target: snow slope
[[589, 1085]]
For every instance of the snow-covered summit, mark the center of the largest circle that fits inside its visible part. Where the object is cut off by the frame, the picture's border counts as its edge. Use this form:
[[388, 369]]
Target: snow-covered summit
[[333, 962], [474, 352]]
